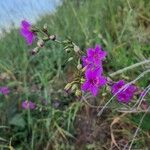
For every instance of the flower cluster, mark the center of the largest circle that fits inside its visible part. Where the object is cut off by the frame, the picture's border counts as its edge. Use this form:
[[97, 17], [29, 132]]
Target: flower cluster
[[123, 94], [28, 105], [92, 67], [4, 90], [93, 74]]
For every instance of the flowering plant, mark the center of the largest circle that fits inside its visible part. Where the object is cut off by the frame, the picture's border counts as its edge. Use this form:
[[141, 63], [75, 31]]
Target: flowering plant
[[90, 75]]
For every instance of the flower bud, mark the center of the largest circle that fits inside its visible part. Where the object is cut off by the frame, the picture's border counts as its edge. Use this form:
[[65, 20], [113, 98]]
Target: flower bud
[[78, 93], [68, 86], [70, 59], [82, 80], [45, 27], [45, 38], [76, 48], [74, 87], [79, 66], [35, 50], [52, 37], [67, 50], [40, 43]]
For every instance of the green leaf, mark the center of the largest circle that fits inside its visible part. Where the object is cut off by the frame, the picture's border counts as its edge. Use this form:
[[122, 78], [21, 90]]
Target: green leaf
[[18, 120], [145, 124]]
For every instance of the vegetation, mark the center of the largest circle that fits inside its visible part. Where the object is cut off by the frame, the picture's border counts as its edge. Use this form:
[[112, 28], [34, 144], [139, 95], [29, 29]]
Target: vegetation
[[61, 120]]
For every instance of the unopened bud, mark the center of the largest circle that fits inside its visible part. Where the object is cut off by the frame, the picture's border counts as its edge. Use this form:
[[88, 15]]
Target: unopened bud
[[79, 66], [82, 80], [35, 50], [67, 50], [65, 42], [40, 43], [70, 59], [45, 27], [40, 109], [52, 37], [45, 38], [78, 93], [68, 86], [76, 48], [104, 94], [74, 87]]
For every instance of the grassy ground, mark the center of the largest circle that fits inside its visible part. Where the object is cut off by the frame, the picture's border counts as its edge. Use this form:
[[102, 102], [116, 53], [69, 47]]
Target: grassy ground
[[123, 29]]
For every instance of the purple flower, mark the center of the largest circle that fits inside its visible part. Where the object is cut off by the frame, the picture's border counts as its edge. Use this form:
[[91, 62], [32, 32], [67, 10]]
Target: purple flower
[[97, 54], [28, 105], [93, 74], [94, 57], [117, 86], [93, 81], [26, 32], [4, 90], [88, 62], [126, 94]]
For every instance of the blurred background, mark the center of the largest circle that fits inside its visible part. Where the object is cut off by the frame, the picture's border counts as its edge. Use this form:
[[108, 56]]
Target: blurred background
[[12, 12]]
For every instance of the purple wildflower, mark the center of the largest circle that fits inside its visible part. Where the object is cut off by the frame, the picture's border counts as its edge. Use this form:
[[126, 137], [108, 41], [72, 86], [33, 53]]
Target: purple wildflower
[[28, 105], [26, 32], [93, 74], [126, 94], [93, 82], [4, 90], [88, 62], [97, 54], [94, 57]]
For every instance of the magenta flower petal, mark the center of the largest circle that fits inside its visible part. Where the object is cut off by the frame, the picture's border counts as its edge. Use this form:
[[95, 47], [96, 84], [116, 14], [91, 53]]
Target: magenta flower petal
[[28, 105], [25, 24], [30, 39], [102, 81], [102, 54], [85, 86], [4, 90], [26, 32], [126, 94], [90, 52], [94, 90], [117, 86], [93, 81], [86, 61]]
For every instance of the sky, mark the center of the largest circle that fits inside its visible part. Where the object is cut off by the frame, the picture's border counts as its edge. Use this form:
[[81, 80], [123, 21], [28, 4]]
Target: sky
[[13, 11]]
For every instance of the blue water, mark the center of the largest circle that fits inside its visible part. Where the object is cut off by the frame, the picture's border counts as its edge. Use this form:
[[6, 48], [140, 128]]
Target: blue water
[[13, 11]]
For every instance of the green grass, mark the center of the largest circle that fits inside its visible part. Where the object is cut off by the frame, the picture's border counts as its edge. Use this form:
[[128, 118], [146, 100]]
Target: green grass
[[121, 27]]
